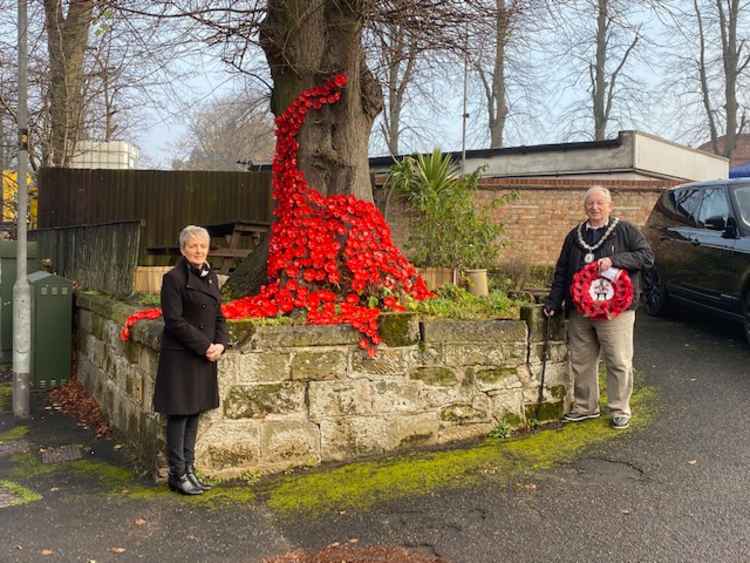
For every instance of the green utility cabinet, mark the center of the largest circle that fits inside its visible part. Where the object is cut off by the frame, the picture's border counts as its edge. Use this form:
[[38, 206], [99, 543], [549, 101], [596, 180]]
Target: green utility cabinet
[[51, 329], [8, 252]]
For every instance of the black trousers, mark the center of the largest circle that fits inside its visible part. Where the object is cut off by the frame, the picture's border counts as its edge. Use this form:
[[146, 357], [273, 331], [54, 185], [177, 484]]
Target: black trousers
[[181, 433]]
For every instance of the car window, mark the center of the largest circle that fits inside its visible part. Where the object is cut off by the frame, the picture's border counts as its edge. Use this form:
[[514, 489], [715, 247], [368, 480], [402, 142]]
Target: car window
[[742, 197], [683, 204], [714, 211]]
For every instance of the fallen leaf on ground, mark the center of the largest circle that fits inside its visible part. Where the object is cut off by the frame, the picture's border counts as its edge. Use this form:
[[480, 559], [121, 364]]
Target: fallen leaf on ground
[[693, 461], [139, 522], [118, 550], [46, 552]]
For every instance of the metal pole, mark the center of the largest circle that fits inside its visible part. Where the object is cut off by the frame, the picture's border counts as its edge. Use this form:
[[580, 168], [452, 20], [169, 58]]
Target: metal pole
[[465, 115], [21, 289]]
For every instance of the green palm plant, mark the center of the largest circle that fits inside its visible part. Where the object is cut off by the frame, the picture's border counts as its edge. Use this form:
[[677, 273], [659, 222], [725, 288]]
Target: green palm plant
[[449, 231]]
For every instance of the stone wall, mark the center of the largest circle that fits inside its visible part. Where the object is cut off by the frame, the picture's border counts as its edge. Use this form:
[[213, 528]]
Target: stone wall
[[302, 395], [545, 209]]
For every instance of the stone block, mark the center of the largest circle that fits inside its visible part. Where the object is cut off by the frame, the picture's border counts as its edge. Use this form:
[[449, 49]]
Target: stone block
[[535, 320], [148, 333], [229, 445], [506, 403], [346, 438], [287, 443], [148, 360], [396, 396], [558, 352], [463, 432], [259, 401], [84, 321], [435, 375], [310, 365], [431, 354], [266, 366], [274, 337], [458, 355], [328, 399], [431, 397], [462, 414], [417, 430], [387, 363], [489, 379], [134, 384], [398, 329], [489, 331], [98, 353]]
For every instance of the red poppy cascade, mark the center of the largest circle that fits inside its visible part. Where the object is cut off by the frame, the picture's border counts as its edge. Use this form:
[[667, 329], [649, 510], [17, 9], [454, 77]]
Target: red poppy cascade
[[330, 256], [601, 295]]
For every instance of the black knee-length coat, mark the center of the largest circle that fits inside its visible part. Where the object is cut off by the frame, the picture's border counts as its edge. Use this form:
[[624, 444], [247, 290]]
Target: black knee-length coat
[[186, 381]]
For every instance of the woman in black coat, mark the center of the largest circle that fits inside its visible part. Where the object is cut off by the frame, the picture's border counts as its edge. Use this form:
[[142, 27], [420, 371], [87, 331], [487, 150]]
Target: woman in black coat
[[193, 340]]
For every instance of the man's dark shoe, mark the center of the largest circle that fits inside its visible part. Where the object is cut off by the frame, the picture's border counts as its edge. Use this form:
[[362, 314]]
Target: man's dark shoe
[[190, 472], [620, 421], [579, 416], [181, 484]]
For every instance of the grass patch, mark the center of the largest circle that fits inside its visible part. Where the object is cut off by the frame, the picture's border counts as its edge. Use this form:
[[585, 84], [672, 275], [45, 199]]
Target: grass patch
[[22, 494], [29, 466], [360, 485], [15, 433]]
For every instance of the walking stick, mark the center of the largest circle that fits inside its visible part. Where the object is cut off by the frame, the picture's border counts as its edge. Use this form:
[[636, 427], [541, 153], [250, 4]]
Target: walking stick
[[545, 357]]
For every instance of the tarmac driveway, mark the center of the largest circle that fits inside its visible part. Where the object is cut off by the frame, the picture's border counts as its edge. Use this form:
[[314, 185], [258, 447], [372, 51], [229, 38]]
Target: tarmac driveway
[[676, 490]]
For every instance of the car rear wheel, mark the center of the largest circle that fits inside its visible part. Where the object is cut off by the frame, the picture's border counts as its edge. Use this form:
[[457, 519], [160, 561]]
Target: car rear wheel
[[655, 294], [746, 315]]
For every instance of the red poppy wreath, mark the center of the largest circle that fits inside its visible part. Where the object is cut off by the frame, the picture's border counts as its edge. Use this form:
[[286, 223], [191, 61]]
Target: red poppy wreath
[[601, 295]]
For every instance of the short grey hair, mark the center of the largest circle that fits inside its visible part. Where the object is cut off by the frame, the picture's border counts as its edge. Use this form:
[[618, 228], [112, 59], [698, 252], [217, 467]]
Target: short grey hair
[[193, 231], [601, 189]]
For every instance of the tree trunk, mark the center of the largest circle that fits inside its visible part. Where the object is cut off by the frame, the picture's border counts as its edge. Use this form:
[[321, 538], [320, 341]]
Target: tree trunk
[[305, 43], [598, 78], [728, 24], [67, 40], [498, 104]]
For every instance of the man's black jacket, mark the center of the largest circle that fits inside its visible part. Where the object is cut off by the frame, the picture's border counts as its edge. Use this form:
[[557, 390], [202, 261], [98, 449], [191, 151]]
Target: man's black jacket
[[626, 247]]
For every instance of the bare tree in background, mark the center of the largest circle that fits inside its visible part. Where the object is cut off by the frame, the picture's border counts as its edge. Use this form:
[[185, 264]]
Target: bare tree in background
[[305, 41], [708, 69], [598, 41], [499, 55], [228, 134]]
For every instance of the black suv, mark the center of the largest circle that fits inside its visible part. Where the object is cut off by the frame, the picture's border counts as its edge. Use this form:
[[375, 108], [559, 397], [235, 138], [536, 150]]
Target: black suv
[[700, 234]]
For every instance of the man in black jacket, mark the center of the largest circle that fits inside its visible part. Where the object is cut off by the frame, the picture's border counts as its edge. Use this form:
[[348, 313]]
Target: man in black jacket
[[610, 242]]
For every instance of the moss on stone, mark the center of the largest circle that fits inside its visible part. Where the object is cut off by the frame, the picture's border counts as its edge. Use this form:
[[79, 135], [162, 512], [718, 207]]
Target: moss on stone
[[15, 433], [513, 420], [240, 331], [363, 484], [547, 411], [29, 466], [494, 375], [558, 391], [398, 329], [461, 413], [440, 376], [6, 397], [22, 494]]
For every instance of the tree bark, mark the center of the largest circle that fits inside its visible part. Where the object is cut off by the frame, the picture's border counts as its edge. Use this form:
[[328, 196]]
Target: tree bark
[[598, 73], [67, 40], [306, 42]]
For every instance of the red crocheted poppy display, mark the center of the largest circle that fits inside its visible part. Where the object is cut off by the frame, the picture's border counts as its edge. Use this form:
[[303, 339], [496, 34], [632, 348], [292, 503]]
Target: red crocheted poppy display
[[330, 256], [598, 297]]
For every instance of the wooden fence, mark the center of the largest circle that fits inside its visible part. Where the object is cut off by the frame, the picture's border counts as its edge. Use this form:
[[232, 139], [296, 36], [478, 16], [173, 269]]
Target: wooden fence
[[101, 257], [166, 200]]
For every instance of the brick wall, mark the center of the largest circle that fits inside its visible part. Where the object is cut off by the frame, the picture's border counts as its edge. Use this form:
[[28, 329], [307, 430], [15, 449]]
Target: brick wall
[[537, 221]]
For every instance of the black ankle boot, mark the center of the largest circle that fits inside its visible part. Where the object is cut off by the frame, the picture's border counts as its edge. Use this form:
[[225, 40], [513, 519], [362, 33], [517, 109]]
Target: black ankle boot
[[182, 484], [190, 472]]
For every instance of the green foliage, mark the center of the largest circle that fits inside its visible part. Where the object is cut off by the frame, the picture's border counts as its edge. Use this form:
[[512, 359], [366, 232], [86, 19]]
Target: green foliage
[[147, 299], [455, 302], [501, 431], [452, 229]]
